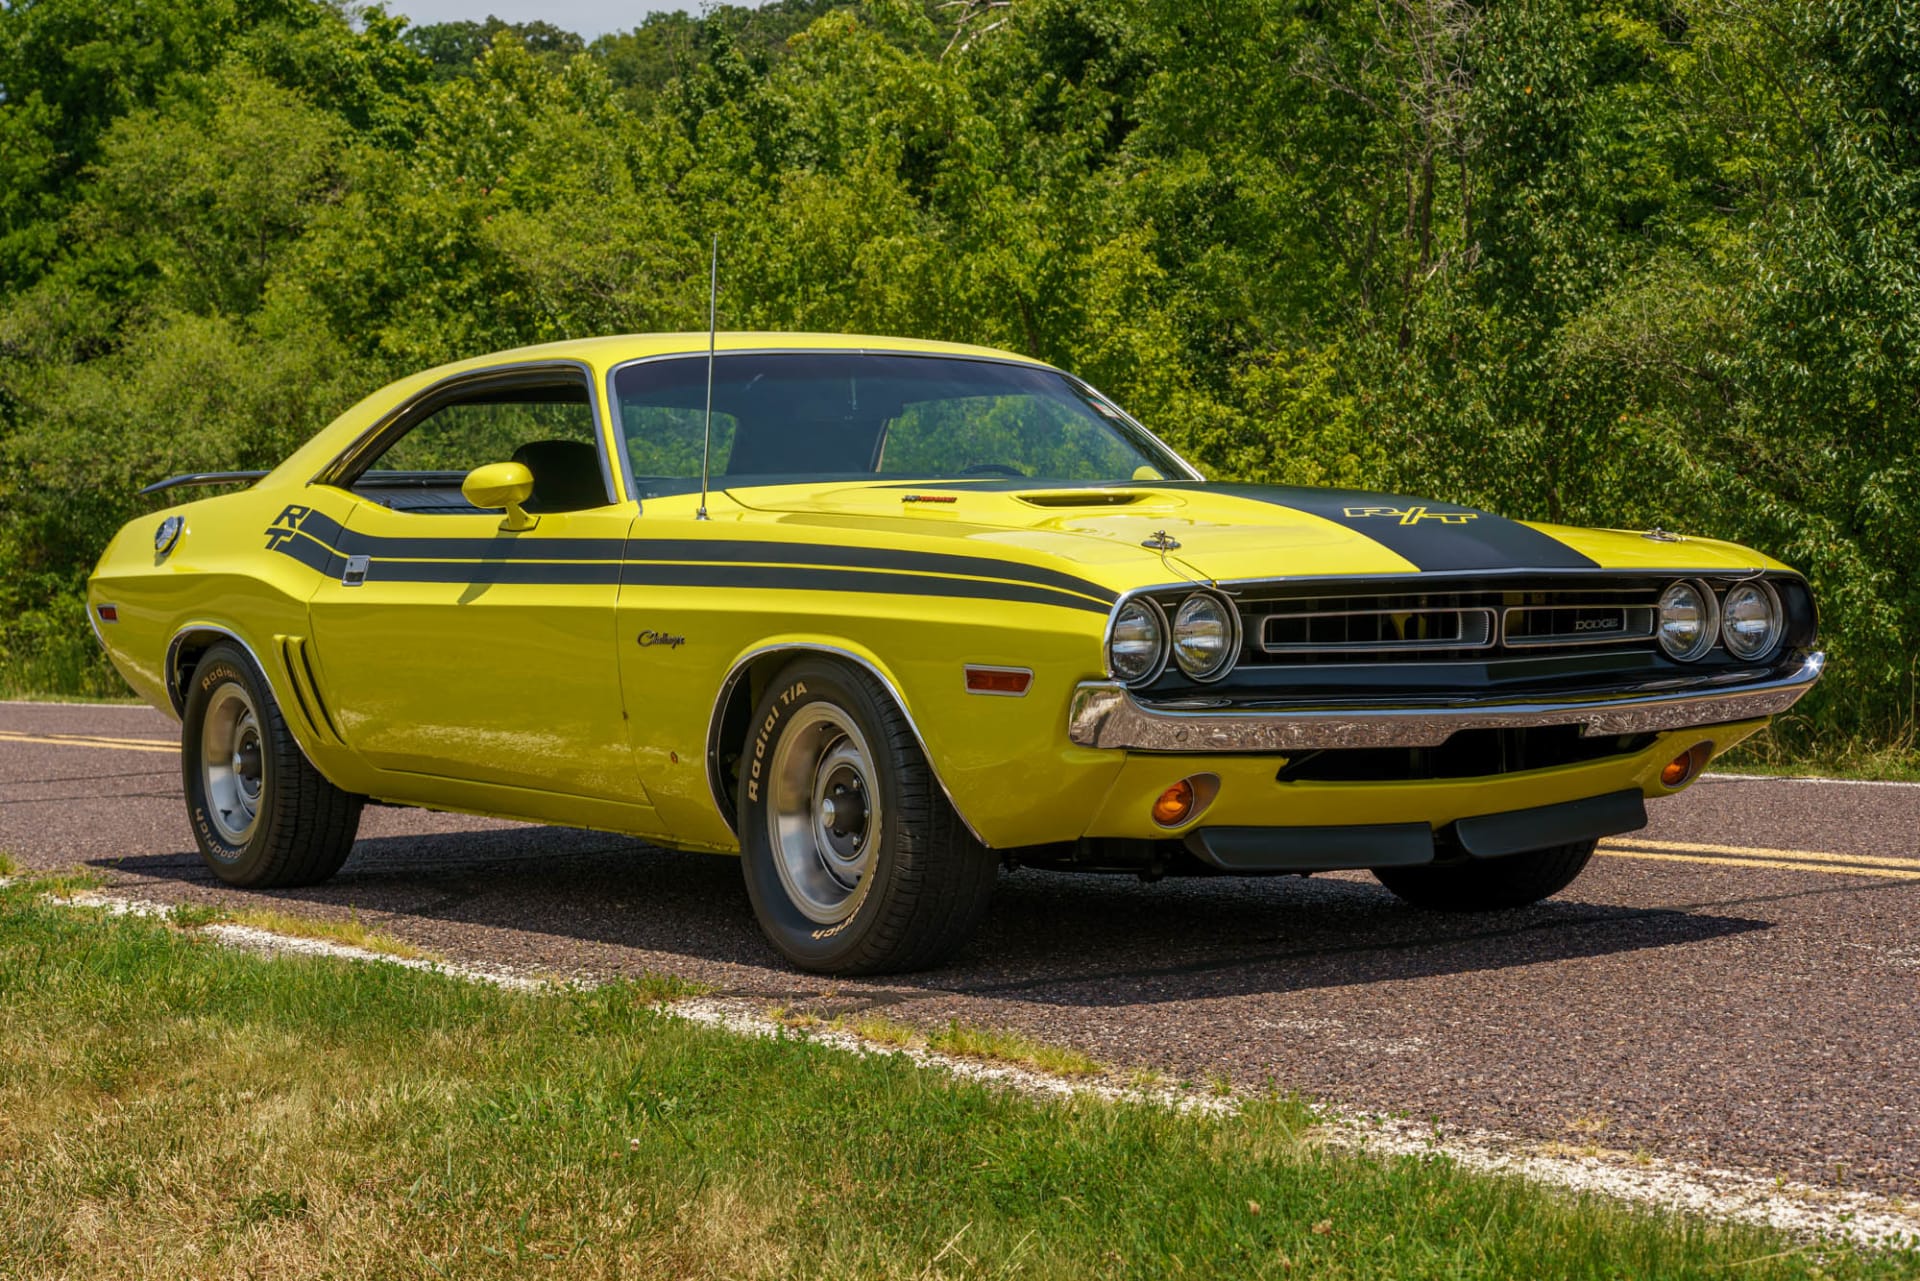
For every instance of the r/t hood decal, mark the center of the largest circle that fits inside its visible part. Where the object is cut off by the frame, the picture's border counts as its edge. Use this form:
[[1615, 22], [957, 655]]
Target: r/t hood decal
[[1434, 536]]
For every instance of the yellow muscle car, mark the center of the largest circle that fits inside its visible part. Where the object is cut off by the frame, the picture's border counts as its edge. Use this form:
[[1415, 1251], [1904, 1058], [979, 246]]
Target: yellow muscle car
[[939, 610]]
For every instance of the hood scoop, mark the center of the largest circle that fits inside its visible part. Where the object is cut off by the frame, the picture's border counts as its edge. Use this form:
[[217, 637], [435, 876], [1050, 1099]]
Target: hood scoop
[[1082, 498]]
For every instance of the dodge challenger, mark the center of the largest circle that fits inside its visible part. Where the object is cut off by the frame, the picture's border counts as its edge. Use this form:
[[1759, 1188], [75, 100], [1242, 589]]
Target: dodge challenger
[[886, 616]]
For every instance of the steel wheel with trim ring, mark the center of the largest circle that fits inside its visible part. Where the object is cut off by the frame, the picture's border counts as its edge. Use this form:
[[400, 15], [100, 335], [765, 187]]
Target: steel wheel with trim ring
[[261, 814], [854, 859]]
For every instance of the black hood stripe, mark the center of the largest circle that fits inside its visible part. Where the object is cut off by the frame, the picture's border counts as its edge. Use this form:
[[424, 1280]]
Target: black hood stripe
[[1437, 537]]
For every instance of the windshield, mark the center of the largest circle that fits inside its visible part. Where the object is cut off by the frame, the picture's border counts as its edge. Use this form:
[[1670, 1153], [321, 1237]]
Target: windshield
[[780, 418]]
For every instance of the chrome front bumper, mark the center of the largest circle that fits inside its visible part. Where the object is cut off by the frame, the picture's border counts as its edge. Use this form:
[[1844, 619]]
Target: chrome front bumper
[[1105, 714]]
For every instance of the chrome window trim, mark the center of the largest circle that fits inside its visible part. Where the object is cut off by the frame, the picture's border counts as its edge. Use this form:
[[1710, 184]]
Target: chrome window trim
[[739, 669], [1105, 714], [347, 458], [618, 433]]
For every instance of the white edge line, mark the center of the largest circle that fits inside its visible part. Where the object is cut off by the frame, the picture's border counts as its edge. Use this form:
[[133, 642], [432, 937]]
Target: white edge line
[[1798, 1208], [1712, 776]]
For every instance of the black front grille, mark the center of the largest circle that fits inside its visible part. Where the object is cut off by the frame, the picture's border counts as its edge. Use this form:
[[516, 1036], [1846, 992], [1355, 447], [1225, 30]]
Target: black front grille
[[1437, 626], [1535, 625], [1376, 631]]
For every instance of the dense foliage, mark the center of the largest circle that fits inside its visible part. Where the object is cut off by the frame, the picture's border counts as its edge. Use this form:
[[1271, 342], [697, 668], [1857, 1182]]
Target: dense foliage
[[1629, 262]]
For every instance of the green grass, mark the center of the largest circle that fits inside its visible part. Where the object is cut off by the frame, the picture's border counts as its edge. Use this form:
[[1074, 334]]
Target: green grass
[[999, 1045], [1800, 748], [64, 883], [962, 1040], [59, 665], [172, 1109], [351, 932]]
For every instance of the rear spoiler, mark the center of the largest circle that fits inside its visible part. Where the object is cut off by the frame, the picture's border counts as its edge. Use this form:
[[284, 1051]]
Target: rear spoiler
[[195, 478]]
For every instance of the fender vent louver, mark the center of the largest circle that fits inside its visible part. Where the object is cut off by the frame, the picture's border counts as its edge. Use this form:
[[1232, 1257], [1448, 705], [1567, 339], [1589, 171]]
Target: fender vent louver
[[306, 690]]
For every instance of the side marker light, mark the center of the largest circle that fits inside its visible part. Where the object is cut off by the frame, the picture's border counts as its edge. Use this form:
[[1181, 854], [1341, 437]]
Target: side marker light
[[109, 614], [1009, 682]]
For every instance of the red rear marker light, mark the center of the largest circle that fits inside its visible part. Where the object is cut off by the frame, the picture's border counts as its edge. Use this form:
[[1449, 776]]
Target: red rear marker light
[[109, 614], [1010, 681], [930, 498], [1681, 770]]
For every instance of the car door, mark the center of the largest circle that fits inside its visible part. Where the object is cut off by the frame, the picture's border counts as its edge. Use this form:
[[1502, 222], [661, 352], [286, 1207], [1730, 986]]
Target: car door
[[456, 647]]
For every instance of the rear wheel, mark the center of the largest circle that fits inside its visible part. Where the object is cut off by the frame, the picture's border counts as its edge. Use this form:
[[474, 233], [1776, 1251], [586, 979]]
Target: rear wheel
[[262, 815], [854, 859], [1489, 884]]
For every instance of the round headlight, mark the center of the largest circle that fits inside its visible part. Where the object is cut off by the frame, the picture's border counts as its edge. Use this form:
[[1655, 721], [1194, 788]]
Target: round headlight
[[1137, 642], [1204, 636], [1751, 620], [1687, 622]]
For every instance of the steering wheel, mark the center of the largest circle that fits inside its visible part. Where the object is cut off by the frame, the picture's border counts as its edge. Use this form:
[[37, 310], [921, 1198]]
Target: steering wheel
[[992, 469]]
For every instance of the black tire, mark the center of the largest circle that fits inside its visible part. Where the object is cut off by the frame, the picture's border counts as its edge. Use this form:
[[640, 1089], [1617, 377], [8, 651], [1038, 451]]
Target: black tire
[[1489, 884], [283, 826], [925, 882]]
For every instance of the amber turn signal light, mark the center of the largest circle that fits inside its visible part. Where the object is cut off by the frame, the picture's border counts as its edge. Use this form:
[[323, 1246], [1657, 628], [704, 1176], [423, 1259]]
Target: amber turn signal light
[[1186, 800], [1010, 681], [1174, 804], [1679, 771]]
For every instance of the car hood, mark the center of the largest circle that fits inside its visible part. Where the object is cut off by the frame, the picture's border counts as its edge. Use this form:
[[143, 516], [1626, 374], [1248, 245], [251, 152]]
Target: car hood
[[1115, 534]]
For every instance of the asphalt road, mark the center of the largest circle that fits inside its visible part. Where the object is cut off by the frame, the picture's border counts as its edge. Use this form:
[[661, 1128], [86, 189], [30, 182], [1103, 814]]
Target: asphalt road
[[1737, 984]]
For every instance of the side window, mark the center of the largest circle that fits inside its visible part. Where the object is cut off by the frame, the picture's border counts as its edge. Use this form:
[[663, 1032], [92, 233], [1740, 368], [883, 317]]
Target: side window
[[546, 424]]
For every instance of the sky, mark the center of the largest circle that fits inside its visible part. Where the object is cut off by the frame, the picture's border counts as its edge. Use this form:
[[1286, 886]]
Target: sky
[[587, 18]]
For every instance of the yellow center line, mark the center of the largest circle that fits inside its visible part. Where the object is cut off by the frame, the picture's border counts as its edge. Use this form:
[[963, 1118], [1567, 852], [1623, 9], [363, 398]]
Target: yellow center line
[[109, 744], [1753, 851], [1724, 862]]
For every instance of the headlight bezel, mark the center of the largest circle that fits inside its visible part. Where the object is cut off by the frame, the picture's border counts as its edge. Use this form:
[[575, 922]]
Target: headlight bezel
[[1230, 620], [1776, 632], [1709, 625], [1163, 649]]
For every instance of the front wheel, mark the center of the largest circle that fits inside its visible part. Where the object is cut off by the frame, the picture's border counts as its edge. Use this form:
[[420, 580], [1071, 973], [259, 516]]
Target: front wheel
[[1489, 884], [263, 816], [854, 858]]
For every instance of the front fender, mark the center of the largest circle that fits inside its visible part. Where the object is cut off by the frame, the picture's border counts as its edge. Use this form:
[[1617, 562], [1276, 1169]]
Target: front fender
[[1004, 763]]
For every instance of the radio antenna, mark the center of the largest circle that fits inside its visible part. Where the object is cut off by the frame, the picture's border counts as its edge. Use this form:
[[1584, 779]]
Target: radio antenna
[[713, 323]]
